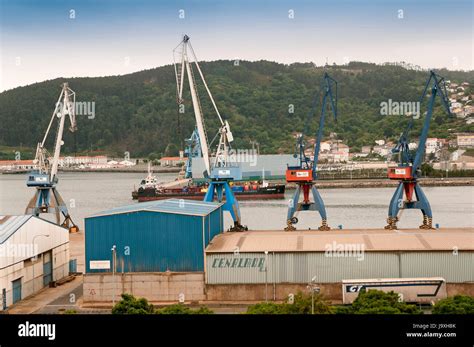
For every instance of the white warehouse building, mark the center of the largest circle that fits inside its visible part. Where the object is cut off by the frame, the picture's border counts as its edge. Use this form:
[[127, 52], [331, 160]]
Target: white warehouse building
[[33, 253]]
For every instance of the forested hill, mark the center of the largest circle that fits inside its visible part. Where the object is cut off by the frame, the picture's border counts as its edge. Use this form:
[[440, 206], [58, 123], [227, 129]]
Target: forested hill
[[138, 112]]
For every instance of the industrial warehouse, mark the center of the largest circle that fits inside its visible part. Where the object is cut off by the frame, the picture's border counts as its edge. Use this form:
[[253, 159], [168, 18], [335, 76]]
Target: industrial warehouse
[[33, 254], [187, 257]]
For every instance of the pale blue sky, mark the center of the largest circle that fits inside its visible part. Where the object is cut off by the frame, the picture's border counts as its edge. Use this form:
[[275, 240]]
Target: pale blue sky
[[39, 40]]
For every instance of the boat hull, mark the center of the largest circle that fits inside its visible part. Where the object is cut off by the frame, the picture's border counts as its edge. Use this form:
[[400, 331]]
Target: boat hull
[[268, 193]]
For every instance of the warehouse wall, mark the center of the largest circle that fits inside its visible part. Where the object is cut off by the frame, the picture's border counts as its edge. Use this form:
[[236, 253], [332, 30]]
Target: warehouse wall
[[32, 279], [247, 268], [455, 267], [151, 241], [152, 286]]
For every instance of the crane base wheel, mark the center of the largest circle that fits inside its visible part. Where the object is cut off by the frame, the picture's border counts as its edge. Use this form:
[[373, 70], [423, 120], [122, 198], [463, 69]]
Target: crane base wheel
[[289, 226], [427, 223], [238, 228], [391, 223], [324, 226]]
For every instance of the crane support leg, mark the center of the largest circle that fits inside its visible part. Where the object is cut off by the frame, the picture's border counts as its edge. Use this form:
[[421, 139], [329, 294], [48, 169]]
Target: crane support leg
[[306, 205], [398, 203], [395, 205], [292, 208], [424, 205], [219, 189], [319, 206], [48, 200]]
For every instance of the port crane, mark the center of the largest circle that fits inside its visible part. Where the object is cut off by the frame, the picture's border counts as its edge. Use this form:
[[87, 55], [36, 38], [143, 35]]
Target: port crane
[[305, 173], [45, 178], [223, 170], [408, 168]]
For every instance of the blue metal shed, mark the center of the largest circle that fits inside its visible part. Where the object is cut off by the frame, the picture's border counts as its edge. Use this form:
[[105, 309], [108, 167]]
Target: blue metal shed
[[153, 236]]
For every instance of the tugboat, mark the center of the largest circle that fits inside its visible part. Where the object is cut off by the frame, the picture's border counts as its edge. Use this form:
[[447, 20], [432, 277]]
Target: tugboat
[[150, 181]]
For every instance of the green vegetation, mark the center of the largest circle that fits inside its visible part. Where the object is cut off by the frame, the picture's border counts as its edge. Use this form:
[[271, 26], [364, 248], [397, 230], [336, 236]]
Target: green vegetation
[[131, 305], [181, 309], [458, 304], [70, 311], [379, 302], [302, 305], [138, 112], [370, 302]]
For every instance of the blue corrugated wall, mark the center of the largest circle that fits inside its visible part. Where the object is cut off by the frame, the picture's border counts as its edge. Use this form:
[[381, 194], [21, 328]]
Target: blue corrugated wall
[[151, 241]]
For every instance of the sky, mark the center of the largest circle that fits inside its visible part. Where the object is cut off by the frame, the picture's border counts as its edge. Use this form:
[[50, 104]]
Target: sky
[[46, 39]]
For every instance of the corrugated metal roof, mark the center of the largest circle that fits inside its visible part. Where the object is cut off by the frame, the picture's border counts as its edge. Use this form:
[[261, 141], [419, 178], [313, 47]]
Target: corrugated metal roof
[[318, 241], [10, 224], [175, 206]]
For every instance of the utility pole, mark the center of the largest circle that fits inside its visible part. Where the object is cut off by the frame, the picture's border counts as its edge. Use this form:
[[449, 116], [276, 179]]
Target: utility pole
[[114, 255], [266, 276]]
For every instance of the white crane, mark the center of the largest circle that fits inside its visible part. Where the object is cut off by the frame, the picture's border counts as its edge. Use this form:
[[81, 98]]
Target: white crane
[[47, 199], [223, 169]]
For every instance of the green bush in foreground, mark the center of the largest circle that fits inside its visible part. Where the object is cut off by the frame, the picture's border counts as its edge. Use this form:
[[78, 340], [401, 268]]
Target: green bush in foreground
[[70, 311], [301, 305], [458, 304], [379, 302], [181, 309], [131, 305]]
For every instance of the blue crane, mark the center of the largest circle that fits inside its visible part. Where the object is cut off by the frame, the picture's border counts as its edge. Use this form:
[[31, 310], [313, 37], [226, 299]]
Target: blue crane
[[305, 174], [409, 165]]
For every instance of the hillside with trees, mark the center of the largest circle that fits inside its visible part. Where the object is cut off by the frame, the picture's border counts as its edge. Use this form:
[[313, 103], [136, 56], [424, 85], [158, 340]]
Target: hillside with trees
[[138, 112]]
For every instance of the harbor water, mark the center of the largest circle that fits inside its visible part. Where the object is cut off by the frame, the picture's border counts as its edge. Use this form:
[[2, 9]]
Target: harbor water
[[91, 192]]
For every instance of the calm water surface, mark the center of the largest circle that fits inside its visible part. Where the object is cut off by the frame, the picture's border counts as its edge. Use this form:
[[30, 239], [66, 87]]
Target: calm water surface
[[351, 208]]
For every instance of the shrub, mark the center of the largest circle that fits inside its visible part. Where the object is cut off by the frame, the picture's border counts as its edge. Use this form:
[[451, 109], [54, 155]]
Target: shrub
[[266, 308], [458, 304], [70, 311], [131, 305], [301, 305], [181, 309], [379, 302]]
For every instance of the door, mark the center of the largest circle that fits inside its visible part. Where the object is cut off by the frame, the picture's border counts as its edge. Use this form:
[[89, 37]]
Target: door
[[16, 286], [47, 268]]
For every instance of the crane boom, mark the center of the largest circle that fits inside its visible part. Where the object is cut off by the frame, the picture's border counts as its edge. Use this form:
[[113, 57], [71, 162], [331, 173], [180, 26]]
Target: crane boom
[[327, 85], [199, 118], [438, 88]]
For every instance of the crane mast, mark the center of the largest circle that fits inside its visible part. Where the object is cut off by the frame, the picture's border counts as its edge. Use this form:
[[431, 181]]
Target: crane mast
[[409, 166], [47, 199], [222, 170]]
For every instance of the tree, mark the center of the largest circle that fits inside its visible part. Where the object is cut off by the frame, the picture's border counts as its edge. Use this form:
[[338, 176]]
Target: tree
[[130, 305], [458, 304], [138, 111], [266, 308], [181, 309], [302, 305], [379, 302]]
